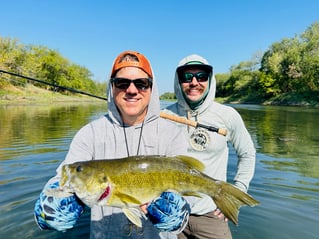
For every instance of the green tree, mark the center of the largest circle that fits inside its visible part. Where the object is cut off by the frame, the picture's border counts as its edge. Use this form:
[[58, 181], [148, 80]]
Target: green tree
[[310, 57], [221, 80], [292, 65], [43, 63], [11, 58], [168, 96]]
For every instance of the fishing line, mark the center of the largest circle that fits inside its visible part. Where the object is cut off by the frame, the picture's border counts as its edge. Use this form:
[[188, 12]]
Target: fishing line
[[162, 114], [54, 85]]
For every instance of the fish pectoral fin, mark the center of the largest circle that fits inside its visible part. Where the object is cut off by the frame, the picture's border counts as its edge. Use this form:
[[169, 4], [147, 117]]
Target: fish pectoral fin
[[195, 194], [128, 199], [134, 215]]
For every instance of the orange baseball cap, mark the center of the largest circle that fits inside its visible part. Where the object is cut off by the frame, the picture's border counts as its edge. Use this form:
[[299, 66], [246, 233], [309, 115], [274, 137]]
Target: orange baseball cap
[[142, 63]]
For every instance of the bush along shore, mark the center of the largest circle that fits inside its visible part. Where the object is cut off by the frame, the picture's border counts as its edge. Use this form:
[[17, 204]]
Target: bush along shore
[[286, 99]]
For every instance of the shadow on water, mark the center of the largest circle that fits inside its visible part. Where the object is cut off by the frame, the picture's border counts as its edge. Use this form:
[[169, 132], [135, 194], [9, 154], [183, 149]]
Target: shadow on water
[[35, 139]]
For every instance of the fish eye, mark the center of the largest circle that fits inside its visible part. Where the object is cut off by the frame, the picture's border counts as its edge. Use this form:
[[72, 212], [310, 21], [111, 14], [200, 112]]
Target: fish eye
[[79, 168]]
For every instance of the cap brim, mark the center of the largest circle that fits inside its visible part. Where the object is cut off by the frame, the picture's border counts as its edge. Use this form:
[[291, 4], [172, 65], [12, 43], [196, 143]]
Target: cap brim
[[206, 68]]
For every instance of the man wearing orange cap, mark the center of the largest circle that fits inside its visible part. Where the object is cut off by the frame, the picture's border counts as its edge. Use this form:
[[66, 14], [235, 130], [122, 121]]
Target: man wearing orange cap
[[131, 127]]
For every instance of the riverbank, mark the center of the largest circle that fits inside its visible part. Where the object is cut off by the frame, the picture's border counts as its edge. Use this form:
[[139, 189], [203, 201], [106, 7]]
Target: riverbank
[[31, 94], [288, 99], [35, 95]]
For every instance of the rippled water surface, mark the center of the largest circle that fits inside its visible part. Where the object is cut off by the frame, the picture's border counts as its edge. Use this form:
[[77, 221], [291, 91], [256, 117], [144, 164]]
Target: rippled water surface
[[34, 139]]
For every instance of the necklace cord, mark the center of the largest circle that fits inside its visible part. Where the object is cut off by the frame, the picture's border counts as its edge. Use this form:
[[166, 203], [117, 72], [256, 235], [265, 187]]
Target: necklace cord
[[139, 140]]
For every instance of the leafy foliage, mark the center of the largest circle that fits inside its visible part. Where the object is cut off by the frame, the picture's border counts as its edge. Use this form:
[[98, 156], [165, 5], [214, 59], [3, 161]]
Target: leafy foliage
[[46, 64], [290, 66], [168, 96]]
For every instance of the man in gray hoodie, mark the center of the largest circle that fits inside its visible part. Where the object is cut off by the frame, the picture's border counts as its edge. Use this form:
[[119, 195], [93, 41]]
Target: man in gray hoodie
[[131, 127], [195, 86]]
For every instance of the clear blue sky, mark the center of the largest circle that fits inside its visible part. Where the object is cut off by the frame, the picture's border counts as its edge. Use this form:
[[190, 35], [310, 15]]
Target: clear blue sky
[[92, 33]]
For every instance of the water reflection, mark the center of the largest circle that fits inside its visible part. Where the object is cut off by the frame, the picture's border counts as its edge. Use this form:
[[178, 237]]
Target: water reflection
[[24, 126], [35, 139], [290, 134]]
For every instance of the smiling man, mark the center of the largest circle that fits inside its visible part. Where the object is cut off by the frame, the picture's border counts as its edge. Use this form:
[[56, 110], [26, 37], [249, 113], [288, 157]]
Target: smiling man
[[195, 87], [194, 81], [132, 84], [131, 127]]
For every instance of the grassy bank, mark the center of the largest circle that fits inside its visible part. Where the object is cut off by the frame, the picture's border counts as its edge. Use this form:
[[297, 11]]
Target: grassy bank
[[31, 94], [287, 99]]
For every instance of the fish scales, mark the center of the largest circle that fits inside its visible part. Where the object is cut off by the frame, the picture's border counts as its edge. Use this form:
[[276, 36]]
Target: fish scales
[[129, 182]]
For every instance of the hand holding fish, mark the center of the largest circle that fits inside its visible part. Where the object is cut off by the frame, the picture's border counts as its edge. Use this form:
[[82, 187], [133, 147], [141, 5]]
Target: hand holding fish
[[169, 212], [130, 182], [57, 213], [220, 215]]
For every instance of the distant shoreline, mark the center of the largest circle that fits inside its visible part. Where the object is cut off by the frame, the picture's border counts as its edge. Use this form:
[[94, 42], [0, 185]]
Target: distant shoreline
[[58, 99], [35, 95]]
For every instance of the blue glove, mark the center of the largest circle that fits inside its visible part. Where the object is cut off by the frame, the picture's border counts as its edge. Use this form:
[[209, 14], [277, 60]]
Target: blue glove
[[57, 213], [169, 212]]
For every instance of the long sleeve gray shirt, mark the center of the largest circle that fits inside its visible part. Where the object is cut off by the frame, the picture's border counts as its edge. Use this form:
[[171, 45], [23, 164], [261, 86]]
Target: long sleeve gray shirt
[[211, 148], [108, 138]]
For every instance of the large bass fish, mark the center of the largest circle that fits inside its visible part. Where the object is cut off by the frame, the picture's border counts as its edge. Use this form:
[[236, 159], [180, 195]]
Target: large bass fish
[[130, 182]]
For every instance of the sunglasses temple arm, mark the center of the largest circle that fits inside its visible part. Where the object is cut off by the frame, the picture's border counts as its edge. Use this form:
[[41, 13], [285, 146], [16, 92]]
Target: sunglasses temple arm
[[192, 123]]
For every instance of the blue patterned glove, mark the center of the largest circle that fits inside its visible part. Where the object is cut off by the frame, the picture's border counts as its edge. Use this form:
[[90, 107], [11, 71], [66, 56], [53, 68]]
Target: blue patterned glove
[[169, 212], [57, 213]]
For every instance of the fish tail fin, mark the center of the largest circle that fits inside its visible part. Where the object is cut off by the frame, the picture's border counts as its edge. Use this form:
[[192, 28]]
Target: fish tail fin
[[229, 199]]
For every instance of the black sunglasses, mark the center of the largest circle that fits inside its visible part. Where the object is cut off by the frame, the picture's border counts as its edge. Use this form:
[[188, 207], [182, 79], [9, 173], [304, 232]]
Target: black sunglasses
[[124, 83], [187, 77]]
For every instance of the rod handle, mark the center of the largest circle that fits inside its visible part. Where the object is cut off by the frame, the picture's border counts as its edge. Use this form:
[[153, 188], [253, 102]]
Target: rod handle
[[178, 119], [191, 123]]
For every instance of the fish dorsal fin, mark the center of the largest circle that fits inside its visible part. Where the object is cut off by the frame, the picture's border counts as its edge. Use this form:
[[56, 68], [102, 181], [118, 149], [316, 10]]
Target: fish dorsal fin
[[134, 215], [192, 162]]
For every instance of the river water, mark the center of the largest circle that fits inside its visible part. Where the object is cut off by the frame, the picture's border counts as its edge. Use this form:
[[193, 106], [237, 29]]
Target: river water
[[34, 139]]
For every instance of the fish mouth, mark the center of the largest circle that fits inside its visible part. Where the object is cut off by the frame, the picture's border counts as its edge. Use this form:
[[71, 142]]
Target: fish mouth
[[105, 193]]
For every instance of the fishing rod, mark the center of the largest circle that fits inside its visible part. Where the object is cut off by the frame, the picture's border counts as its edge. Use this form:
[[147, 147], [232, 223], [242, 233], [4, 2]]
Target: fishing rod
[[162, 114], [192, 123], [54, 85]]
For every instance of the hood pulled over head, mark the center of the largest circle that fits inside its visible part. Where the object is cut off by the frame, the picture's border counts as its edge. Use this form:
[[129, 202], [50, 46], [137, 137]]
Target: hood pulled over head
[[141, 62], [209, 95]]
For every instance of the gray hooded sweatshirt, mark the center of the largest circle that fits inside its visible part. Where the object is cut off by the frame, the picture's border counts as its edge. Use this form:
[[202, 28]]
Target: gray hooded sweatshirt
[[104, 139], [209, 147]]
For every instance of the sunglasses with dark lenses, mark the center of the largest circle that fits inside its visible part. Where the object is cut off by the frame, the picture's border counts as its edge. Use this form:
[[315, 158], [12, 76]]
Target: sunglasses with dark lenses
[[187, 77], [124, 83]]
